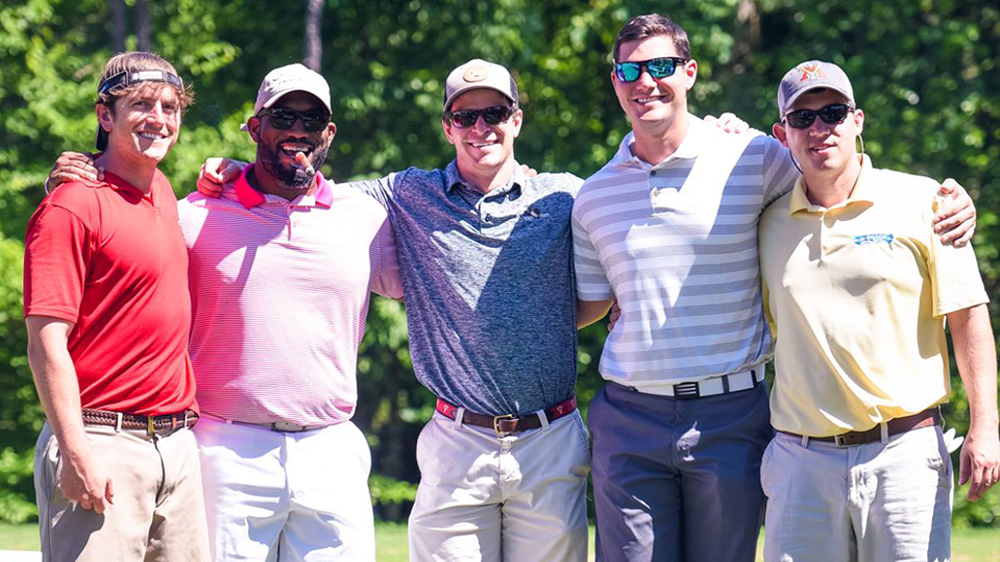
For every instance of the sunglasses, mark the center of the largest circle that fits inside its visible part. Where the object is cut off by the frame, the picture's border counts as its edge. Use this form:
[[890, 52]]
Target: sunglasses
[[284, 119], [493, 115], [658, 68], [830, 114]]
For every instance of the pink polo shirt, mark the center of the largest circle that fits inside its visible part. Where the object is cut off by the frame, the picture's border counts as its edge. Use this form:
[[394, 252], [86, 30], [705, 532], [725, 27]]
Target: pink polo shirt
[[279, 295]]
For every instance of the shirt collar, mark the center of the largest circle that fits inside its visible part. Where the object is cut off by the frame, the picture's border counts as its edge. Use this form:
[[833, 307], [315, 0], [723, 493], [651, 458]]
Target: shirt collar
[[118, 184], [862, 192], [691, 147], [250, 197], [452, 178]]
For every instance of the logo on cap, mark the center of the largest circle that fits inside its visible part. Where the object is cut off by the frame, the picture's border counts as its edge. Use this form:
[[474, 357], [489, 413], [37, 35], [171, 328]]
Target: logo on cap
[[810, 71], [475, 74]]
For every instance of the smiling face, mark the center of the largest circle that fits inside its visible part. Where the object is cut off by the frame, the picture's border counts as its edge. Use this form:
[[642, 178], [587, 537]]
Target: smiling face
[[653, 104], [482, 148], [277, 149], [822, 148], [142, 126]]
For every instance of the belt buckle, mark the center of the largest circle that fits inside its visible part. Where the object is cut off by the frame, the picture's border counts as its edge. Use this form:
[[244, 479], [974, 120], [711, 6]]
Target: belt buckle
[[688, 389], [496, 424], [838, 440], [150, 425]]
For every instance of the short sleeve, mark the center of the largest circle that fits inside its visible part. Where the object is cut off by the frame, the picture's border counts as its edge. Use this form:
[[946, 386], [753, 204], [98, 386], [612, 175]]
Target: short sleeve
[[956, 283], [780, 173], [591, 280], [58, 249], [386, 280]]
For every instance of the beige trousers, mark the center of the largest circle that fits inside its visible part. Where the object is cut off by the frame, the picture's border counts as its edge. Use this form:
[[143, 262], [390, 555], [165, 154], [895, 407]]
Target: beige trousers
[[519, 498], [158, 512], [877, 502]]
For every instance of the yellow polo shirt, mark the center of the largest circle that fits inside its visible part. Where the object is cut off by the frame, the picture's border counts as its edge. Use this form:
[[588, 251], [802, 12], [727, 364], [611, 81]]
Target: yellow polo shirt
[[856, 296]]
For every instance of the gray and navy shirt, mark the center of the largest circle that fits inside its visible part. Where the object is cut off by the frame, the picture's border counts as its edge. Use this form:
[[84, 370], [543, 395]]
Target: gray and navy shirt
[[676, 244], [489, 286]]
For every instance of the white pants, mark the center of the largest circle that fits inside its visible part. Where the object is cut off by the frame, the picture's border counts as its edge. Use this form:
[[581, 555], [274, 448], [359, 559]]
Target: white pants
[[876, 502], [520, 498], [286, 496]]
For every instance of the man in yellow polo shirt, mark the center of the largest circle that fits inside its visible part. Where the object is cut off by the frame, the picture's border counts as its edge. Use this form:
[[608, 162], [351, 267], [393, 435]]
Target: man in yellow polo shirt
[[857, 287]]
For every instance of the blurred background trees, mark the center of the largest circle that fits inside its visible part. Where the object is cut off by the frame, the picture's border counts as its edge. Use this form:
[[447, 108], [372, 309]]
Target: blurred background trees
[[924, 71]]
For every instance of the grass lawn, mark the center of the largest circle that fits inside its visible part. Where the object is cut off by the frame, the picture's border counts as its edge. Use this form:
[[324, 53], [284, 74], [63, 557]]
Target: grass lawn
[[968, 545]]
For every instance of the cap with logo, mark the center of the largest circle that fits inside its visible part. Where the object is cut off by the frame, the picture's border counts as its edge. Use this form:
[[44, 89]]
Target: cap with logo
[[812, 75], [287, 79], [475, 74]]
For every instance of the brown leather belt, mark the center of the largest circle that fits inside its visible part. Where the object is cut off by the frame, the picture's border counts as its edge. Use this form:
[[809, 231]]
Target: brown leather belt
[[507, 424], [153, 425], [895, 426]]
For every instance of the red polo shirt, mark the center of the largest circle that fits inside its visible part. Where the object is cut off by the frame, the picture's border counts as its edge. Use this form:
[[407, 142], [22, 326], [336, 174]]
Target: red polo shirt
[[112, 260]]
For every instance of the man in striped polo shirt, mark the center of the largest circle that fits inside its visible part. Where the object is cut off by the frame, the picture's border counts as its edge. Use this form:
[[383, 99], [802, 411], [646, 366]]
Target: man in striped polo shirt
[[669, 228]]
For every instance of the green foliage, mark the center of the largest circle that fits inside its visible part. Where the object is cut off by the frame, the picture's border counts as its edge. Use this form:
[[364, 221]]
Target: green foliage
[[924, 71]]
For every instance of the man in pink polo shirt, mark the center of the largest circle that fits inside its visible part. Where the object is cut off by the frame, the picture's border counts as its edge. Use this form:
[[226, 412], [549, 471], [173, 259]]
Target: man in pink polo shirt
[[281, 272]]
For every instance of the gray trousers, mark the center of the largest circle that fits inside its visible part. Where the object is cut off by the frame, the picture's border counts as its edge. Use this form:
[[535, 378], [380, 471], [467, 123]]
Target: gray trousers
[[678, 480]]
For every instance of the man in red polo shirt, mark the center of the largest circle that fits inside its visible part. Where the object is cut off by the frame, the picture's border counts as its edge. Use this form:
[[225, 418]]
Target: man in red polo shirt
[[108, 314]]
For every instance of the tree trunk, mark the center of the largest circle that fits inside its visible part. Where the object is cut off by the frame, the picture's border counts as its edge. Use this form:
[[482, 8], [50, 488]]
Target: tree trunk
[[314, 43], [118, 31], [142, 41]]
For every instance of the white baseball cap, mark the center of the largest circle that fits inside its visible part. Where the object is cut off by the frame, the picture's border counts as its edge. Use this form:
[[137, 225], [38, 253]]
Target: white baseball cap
[[288, 79]]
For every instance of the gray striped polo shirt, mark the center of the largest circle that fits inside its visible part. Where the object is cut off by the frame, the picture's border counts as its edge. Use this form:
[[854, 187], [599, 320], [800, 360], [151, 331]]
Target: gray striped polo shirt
[[488, 284], [676, 244]]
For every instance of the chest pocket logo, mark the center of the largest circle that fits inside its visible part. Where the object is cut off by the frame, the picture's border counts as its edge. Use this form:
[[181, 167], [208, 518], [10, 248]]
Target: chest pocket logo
[[879, 238]]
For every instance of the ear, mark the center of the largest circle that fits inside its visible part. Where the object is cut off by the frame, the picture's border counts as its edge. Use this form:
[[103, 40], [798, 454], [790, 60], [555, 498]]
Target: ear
[[449, 132], [778, 130], [104, 117], [516, 119], [253, 128], [859, 120], [332, 130], [614, 77], [690, 73]]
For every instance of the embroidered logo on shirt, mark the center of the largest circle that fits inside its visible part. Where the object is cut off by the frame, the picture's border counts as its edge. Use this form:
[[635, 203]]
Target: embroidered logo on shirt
[[863, 239]]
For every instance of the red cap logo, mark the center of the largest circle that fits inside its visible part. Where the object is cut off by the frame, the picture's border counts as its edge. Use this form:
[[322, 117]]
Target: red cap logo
[[810, 71]]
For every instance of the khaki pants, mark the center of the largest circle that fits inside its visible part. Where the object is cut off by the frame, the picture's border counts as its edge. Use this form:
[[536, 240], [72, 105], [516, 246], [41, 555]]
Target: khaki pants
[[158, 514], [519, 498], [863, 503]]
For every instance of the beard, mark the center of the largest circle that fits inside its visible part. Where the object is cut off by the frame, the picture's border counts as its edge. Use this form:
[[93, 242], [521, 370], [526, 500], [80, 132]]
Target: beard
[[288, 175]]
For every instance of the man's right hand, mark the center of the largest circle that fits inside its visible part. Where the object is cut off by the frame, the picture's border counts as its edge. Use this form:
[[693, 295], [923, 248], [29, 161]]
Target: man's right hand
[[82, 479], [217, 171], [73, 166]]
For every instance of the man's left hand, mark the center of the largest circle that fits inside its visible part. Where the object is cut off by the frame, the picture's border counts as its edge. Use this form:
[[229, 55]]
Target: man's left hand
[[979, 463], [956, 223]]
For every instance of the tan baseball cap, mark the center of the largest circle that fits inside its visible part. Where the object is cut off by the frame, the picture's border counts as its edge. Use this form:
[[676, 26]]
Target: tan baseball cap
[[288, 79], [811, 75], [478, 73]]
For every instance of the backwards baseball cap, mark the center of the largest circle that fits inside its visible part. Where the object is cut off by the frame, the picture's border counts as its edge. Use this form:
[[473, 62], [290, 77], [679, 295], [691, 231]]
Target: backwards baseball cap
[[812, 75], [288, 79], [121, 81], [478, 73]]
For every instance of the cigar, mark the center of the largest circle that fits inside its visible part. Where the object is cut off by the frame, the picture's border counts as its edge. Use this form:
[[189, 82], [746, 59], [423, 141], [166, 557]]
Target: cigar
[[304, 162]]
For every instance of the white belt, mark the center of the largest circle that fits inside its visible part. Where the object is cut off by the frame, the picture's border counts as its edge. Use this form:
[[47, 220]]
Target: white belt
[[723, 384]]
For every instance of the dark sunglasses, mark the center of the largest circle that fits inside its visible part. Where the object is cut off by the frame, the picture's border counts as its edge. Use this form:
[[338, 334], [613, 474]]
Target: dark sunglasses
[[493, 115], [283, 119], [658, 68], [830, 114]]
